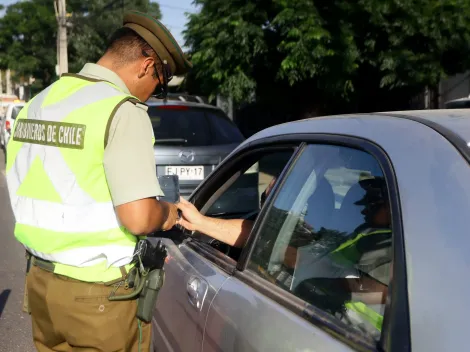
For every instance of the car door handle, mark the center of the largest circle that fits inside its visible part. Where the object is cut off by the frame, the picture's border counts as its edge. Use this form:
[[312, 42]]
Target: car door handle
[[196, 289]]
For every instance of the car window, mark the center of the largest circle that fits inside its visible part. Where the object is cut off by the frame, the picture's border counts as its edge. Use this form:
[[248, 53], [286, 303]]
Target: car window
[[242, 192], [179, 125], [16, 111], [245, 195], [327, 236], [224, 131], [182, 126]]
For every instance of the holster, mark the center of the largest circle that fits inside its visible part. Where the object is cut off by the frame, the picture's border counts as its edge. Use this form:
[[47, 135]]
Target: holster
[[148, 296], [147, 279]]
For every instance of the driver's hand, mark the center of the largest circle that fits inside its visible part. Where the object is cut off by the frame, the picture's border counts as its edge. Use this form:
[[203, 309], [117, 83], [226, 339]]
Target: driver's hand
[[191, 218]]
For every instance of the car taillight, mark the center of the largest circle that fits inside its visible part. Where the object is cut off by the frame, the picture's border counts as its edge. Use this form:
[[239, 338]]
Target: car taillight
[[7, 125]]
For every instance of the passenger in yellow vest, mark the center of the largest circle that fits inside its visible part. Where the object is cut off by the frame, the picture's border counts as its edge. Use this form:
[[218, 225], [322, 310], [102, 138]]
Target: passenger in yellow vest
[[82, 181], [352, 280]]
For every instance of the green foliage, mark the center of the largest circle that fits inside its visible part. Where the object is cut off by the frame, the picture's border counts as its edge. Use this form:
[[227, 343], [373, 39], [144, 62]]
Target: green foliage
[[93, 21], [226, 39], [28, 33], [334, 49]]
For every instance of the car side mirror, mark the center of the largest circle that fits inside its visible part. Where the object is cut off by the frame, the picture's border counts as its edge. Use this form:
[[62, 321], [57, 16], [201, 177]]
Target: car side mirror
[[171, 188]]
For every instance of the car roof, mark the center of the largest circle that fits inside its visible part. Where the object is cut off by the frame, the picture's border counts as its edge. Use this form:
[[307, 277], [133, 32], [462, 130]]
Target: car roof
[[453, 123], [445, 121], [159, 102]]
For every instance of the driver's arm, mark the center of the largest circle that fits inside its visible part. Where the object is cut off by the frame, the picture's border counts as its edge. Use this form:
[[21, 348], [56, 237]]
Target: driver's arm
[[233, 232]]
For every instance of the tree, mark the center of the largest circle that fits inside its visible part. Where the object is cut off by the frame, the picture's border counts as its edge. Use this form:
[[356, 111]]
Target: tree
[[94, 20], [28, 33], [295, 57], [27, 39]]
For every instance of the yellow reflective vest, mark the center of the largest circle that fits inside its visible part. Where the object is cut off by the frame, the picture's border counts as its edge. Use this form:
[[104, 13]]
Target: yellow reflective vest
[[57, 184], [347, 249]]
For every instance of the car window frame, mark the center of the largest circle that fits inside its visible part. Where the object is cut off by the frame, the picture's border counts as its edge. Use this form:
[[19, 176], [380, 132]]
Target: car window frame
[[396, 323]]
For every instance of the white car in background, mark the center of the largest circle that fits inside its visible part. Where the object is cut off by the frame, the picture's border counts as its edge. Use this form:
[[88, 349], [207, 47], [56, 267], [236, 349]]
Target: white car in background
[[461, 103], [7, 121]]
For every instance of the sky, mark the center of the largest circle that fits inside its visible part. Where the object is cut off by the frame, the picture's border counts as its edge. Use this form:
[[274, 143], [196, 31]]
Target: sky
[[173, 15]]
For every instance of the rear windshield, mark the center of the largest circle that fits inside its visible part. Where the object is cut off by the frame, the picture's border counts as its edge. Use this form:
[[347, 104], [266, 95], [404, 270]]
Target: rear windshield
[[192, 127]]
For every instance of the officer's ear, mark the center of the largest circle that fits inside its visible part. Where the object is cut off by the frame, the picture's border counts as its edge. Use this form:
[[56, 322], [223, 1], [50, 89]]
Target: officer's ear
[[147, 65], [146, 68]]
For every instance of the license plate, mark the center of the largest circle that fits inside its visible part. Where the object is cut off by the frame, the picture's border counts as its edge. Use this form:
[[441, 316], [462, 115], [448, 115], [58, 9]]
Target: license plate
[[186, 172]]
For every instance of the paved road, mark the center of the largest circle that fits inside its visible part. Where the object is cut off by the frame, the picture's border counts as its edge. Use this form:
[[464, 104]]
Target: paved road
[[15, 326]]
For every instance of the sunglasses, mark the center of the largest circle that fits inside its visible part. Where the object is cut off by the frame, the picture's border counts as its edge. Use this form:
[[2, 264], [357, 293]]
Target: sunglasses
[[161, 91]]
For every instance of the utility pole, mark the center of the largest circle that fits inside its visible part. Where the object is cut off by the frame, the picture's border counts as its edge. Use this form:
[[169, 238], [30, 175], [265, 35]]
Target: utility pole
[[8, 79], [60, 14]]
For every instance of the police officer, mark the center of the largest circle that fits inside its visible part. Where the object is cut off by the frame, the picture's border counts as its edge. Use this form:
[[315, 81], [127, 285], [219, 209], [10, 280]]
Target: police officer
[[82, 182]]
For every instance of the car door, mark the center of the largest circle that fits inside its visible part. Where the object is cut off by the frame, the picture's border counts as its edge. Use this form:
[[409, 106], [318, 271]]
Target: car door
[[189, 287], [197, 266], [287, 293]]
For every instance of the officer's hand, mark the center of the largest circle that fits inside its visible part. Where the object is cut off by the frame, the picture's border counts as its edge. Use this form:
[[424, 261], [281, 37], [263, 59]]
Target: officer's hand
[[172, 216], [191, 217]]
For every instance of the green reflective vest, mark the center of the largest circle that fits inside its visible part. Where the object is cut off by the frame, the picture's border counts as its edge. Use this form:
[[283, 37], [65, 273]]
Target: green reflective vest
[[57, 184]]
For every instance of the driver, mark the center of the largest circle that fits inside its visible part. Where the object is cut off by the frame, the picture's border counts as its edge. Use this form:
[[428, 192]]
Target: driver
[[233, 232], [353, 278], [370, 254]]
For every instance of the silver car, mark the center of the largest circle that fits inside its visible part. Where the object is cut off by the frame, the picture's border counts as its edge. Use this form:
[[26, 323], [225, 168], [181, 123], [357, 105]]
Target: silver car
[[286, 290], [191, 139]]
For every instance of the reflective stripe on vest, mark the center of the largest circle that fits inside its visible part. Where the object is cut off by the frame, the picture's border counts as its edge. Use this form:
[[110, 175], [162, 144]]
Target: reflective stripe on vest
[[358, 237], [367, 314], [56, 179]]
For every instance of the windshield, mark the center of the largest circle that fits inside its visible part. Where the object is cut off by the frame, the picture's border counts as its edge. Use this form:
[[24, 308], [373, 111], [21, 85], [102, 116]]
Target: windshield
[[15, 111], [180, 125]]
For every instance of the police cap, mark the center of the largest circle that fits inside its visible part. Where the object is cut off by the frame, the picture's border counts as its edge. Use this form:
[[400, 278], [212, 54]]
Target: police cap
[[159, 38]]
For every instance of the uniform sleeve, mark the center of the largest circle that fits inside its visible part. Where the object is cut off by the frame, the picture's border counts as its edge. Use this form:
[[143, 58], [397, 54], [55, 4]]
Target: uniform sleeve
[[129, 161]]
